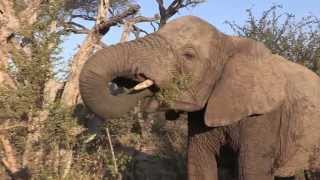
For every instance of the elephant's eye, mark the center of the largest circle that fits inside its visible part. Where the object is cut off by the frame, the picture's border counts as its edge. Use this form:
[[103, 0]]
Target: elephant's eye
[[189, 54]]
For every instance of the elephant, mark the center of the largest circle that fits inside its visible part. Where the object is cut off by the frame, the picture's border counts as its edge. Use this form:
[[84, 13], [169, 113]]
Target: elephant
[[235, 91]]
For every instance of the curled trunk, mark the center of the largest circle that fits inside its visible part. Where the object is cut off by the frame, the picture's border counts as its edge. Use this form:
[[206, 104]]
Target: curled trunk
[[97, 73]]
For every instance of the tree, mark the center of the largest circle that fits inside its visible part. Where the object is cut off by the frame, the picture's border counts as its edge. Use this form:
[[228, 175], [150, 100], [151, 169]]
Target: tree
[[298, 41]]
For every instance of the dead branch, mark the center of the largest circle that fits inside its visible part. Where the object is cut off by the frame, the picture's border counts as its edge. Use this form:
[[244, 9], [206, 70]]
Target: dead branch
[[130, 27], [127, 28], [9, 160], [163, 13], [84, 17], [8, 125], [78, 25], [137, 31], [105, 25], [102, 11], [173, 8], [75, 28], [141, 19], [112, 152]]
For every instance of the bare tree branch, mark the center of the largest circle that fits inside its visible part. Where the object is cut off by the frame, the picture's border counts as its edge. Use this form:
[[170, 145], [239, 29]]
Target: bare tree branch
[[127, 28], [105, 25], [112, 152], [130, 27], [85, 17], [9, 124], [77, 31], [173, 8], [163, 13], [102, 11], [75, 28], [137, 30], [9, 160], [78, 25], [141, 19]]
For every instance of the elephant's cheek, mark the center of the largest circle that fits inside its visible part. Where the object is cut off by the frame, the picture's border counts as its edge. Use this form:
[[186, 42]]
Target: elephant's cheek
[[192, 100]]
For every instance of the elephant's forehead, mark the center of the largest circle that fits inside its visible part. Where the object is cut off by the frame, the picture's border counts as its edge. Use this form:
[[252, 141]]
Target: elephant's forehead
[[188, 29], [188, 26]]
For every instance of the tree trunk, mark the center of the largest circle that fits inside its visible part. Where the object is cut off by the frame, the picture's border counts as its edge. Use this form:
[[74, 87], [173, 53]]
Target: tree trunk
[[70, 95]]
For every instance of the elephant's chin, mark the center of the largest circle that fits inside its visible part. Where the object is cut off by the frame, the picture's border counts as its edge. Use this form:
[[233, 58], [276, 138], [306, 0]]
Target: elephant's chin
[[186, 106], [179, 101]]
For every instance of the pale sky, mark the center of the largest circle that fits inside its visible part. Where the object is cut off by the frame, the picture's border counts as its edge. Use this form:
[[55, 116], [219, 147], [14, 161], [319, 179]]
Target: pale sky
[[214, 11]]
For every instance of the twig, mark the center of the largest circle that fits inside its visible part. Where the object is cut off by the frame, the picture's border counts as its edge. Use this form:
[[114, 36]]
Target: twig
[[85, 17], [172, 9], [140, 19], [112, 152], [75, 28], [130, 27], [16, 125], [77, 25], [126, 31], [137, 31]]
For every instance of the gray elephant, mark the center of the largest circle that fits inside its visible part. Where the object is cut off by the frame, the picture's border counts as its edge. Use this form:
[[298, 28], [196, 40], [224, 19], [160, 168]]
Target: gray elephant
[[236, 93]]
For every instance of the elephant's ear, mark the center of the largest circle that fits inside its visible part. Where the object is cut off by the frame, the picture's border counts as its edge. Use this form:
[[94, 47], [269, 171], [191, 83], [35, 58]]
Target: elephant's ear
[[249, 85]]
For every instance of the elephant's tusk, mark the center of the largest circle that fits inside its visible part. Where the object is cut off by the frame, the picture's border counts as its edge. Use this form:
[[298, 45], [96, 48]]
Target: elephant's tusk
[[145, 84]]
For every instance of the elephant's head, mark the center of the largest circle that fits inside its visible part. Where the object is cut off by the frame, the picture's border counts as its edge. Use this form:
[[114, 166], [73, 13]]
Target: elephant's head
[[194, 66]]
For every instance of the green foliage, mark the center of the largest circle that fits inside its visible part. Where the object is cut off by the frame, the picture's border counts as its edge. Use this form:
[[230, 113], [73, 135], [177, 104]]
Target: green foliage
[[298, 41], [178, 85], [18, 138], [60, 127], [16, 103], [32, 61]]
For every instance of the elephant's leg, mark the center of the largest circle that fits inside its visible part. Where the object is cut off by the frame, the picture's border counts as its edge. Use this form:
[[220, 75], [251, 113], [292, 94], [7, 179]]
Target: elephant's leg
[[204, 143], [202, 164], [257, 148]]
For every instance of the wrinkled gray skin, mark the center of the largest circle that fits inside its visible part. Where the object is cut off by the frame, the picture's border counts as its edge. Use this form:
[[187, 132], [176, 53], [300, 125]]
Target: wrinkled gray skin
[[240, 94]]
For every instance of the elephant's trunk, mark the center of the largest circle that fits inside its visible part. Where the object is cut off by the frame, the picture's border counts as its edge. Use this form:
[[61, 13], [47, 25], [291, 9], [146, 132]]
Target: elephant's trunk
[[102, 68]]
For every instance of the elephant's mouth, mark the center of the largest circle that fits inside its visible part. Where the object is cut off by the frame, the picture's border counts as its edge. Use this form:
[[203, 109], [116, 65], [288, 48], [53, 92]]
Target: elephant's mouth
[[176, 95], [173, 97], [131, 84]]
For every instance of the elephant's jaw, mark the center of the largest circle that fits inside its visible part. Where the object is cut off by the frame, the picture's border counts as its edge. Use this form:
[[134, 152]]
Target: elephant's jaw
[[186, 106]]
